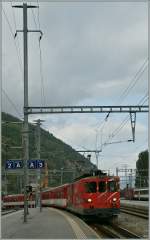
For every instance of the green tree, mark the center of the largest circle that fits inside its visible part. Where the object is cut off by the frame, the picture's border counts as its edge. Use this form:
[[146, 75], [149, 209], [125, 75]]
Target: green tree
[[57, 154], [142, 166]]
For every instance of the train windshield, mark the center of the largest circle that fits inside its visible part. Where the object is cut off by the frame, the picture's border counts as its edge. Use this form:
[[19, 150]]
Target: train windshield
[[112, 186], [102, 186], [90, 187]]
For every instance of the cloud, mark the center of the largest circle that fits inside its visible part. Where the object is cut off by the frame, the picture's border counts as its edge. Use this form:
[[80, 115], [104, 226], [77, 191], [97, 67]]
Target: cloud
[[90, 53]]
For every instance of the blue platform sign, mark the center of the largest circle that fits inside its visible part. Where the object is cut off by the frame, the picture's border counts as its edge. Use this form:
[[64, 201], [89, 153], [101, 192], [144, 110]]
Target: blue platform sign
[[32, 164], [18, 164], [40, 163], [9, 164]]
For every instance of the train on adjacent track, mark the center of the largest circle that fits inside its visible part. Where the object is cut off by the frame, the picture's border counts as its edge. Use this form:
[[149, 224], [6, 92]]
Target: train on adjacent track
[[90, 195], [136, 193]]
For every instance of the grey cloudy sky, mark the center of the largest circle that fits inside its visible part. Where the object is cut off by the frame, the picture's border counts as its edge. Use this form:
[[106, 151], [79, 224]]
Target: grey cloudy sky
[[90, 54]]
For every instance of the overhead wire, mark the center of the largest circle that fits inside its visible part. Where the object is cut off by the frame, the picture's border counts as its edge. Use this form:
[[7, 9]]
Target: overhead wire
[[38, 25], [34, 18], [18, 57], [144, 99], [14, 19], [11, 31], [125, 121], [38, 14], [143, 144], [133, 82], [42, 77], [12, 103], [141, 102]]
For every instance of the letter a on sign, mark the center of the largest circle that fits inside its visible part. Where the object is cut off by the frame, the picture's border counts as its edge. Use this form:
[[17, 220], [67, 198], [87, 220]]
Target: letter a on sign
[[31, 165], [18, 165]]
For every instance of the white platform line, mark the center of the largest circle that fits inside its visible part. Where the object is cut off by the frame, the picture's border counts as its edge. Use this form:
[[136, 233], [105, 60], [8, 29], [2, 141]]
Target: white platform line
[[75, 227]]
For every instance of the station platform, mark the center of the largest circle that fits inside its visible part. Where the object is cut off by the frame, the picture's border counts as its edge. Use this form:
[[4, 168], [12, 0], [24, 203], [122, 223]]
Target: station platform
[[50, 223], [135, 204]]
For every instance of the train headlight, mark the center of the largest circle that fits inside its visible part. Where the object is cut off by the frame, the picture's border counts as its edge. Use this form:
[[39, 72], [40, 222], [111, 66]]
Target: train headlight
[[89, 200], [114, 199]]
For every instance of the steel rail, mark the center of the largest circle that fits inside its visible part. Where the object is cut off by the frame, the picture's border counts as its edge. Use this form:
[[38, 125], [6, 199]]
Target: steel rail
[[114, 231], [137, 212], [5, 212], [125, 232], [109, 233]]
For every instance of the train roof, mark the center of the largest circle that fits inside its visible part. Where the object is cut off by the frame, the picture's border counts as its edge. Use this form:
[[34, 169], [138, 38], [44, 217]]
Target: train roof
[[105, 178], [142, 188], [53, 188], [93, 174], [13, 195], [97, 173]]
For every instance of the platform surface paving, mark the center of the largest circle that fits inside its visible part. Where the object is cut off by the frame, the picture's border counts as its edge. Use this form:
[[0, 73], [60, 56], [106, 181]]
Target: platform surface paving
[[48, 224]]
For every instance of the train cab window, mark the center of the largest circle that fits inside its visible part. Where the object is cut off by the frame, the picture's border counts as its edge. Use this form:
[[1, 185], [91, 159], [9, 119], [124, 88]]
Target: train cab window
[[112, 186], [90, 187], [102, 186]]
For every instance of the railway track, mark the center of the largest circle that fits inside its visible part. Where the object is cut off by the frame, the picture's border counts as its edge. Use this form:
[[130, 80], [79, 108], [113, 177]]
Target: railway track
[[5, 212], [113, 231], [143, 213]]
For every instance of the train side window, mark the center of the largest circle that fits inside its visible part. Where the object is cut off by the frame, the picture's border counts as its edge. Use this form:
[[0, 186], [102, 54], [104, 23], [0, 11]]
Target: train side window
[[102, 186], [90, 187]]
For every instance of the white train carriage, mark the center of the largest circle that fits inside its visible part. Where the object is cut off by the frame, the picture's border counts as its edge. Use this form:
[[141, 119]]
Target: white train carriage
[[141, 193]]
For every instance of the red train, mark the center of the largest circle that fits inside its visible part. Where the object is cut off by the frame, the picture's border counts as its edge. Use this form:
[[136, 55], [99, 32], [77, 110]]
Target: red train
[[17, 201], [88, 196]]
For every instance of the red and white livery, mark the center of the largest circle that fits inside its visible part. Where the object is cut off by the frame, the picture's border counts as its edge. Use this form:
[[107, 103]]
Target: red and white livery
[[87, 196]]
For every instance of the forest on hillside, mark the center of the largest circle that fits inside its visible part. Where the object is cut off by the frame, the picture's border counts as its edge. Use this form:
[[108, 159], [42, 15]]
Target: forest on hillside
[[55, 152]]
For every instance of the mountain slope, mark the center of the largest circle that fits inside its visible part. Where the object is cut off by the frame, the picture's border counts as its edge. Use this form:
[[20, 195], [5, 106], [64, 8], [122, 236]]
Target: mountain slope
[[55, 152]]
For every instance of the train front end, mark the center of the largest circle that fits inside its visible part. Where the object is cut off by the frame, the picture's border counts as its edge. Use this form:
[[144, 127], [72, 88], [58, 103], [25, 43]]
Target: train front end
[[99, 197]]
